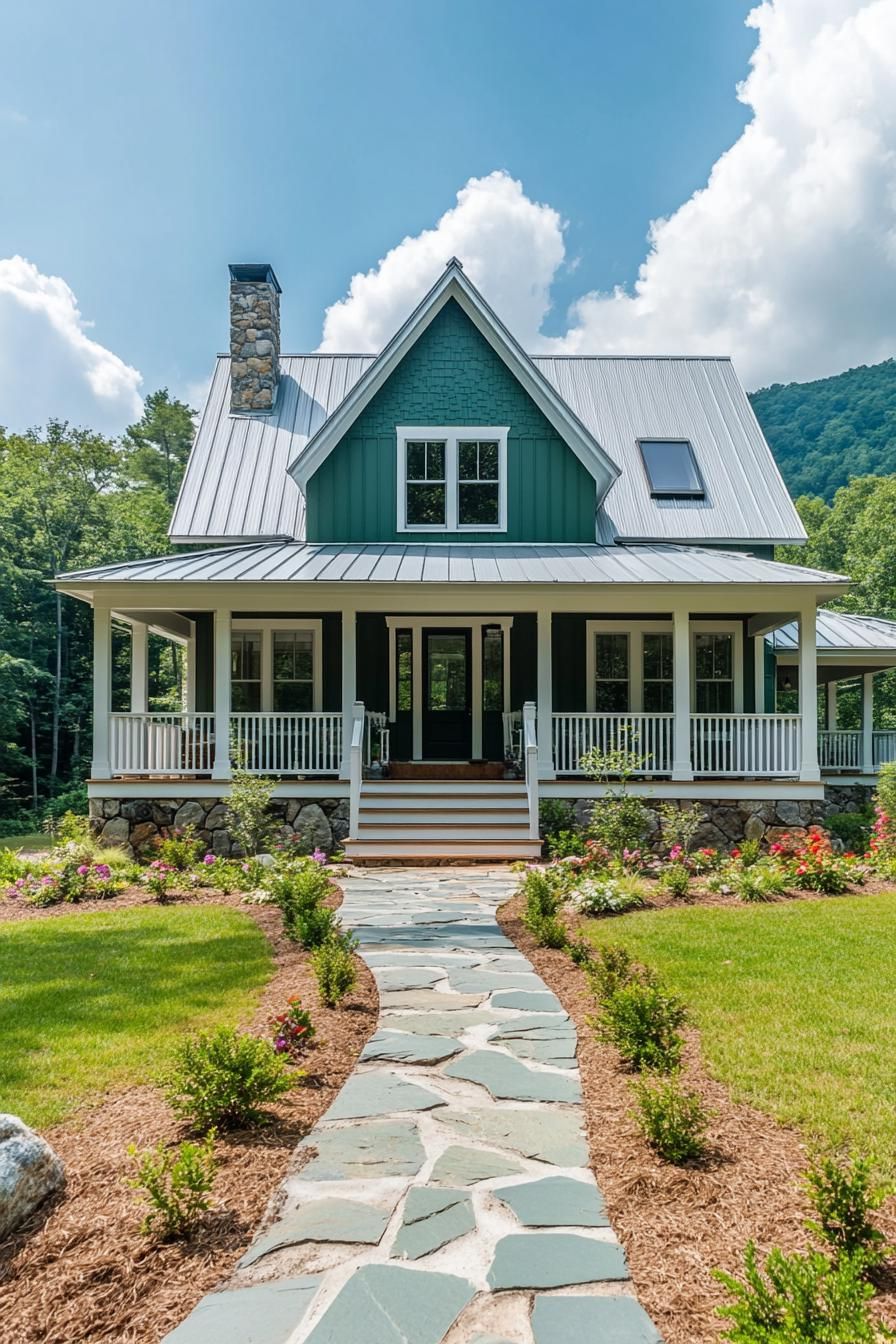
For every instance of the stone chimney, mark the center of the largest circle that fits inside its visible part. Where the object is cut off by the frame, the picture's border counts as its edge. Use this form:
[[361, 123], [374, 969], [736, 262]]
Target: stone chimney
[[254, 337]]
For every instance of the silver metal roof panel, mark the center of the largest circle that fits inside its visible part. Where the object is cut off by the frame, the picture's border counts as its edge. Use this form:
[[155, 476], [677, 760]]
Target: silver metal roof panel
[[838, 631]]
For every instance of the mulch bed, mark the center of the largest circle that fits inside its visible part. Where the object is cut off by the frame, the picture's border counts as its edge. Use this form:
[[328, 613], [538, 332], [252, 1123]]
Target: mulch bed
[[81, 1272], [679, 1223]]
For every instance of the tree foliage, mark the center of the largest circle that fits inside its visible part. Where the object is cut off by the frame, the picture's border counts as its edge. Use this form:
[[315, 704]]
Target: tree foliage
[[70, 498], [824, 432]]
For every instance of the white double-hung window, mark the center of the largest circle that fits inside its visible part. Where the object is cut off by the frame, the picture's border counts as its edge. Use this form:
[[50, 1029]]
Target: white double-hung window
[[452, 478]]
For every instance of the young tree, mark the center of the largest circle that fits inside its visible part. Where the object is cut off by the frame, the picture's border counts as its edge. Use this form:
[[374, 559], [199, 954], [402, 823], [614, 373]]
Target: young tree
[[159, 443]]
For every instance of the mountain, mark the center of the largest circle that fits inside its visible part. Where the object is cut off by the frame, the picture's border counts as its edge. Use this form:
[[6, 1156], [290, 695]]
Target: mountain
[[824, 432]]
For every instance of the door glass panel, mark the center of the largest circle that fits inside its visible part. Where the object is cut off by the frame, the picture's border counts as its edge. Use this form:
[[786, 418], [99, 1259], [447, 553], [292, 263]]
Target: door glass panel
[[404, 670], [493, 668], [447, 672], [611, 690]]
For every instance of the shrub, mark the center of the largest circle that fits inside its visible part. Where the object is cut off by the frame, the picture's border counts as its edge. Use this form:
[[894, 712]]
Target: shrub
[[748, 853], [221, 1078], [555, 817], [566, 845], [641, 1019], [675, 879], [293, 1030], [619, 824], [71, 827], [810, 864], [542, 893], [798, 1299], [680, 825], [844, 1196], [885, 795], [181, 849], [672, 1119], [607, 896], [581, 952], [299, 888], [248, 819], [312, 925], [333, 964], [11, 866], [225, 875], [761, 882], [853, 829], [611, 967], [175, 1183]]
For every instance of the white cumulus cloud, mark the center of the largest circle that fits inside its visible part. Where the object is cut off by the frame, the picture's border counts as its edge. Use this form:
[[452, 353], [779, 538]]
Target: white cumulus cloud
[[786, 259], [510, 246], [49, 365]]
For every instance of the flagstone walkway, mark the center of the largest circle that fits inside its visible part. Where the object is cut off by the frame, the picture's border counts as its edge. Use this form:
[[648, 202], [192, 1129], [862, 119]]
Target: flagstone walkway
[[447, 1196]]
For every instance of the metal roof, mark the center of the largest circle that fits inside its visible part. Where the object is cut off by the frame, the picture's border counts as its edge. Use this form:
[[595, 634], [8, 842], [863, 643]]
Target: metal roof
[[237, 486], [840, 631], [318, 562]]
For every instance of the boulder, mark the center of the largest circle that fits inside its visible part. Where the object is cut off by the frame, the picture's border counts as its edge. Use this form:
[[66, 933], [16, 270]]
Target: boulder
[[293, 808], [710, 837], [95, 809], [144, 834], [190, 813], [116, 831], [788, 813], [137, 810], [217, 817], [29, 1172], [221, 844], [340, 828], [312, 826], [111, 807], [775, 834], [754, 828]]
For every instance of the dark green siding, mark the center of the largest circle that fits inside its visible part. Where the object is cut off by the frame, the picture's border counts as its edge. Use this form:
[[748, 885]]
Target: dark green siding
[[373, 661], [568, 657], [331, 639], [451, 376], [523, 660]]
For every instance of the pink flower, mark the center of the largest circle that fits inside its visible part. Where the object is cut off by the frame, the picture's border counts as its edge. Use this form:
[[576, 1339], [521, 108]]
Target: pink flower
[[83, 870], [209, 858], [319, 856]]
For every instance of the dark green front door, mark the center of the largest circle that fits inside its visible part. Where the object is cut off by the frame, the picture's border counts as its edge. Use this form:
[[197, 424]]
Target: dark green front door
[[447, 695]]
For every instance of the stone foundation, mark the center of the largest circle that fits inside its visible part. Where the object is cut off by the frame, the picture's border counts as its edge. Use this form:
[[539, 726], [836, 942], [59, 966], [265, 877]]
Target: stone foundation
[[729, 822], [137, 824]]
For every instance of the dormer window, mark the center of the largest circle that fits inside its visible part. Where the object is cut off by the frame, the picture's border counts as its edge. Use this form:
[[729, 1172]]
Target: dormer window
[[671, 468], [452, 478]]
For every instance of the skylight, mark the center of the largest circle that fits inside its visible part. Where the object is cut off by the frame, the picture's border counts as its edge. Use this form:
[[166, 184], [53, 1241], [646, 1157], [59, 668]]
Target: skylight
[[671, 468]]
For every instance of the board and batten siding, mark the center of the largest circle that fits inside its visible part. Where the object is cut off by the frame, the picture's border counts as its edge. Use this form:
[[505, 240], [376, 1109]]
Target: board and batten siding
[[451, 376]]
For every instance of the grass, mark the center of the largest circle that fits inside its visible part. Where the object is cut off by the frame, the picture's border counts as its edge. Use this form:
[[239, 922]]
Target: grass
[[96, 1001], [795, 1005], [35, 842]]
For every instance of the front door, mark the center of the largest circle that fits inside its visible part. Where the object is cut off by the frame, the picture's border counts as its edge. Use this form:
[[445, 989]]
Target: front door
[[447, 695]]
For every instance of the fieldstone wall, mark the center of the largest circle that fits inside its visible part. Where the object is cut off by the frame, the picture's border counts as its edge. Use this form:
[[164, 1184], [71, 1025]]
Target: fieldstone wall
[[728, 822], [254, 338], [138, 823]]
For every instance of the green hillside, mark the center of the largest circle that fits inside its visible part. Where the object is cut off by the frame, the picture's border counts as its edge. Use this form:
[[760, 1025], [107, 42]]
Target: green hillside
[[823, 433]]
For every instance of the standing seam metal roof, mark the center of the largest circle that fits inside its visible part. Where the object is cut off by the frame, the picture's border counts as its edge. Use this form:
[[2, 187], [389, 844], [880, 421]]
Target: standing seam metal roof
[[840, 630], [317, 562], [237, 487]]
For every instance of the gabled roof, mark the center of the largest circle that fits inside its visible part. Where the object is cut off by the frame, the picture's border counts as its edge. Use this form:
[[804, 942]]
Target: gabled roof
[[453, 284], [331, 562]]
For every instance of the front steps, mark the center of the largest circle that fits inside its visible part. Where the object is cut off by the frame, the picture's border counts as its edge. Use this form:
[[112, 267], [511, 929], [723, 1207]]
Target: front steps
[[407, 820]]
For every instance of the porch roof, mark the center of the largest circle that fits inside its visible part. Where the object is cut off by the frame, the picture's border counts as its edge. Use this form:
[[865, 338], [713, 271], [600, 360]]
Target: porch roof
[[841, 632], [355, 563]]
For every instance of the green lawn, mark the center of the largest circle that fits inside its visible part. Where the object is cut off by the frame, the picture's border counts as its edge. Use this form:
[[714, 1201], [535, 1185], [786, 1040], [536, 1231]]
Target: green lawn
[[96, 1001], [30, 843], [796, 1003]]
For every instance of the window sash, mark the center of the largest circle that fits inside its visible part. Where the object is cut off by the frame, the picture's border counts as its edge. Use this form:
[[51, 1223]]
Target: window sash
[[462, 490]]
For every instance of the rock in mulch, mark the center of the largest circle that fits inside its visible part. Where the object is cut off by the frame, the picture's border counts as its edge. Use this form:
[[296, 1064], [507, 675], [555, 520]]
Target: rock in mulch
[[29, 1172]]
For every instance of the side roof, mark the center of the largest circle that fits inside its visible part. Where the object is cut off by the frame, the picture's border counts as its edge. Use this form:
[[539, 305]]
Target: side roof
[[839, 632]]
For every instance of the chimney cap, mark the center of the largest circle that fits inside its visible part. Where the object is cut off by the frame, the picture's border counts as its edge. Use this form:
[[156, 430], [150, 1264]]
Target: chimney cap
[[255, 272]]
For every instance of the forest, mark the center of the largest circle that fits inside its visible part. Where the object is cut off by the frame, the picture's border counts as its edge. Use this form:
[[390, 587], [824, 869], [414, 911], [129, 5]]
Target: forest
[[70, 498]]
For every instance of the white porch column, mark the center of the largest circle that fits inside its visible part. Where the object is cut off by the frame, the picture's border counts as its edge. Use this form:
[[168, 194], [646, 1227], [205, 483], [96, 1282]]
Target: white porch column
[[221, 768], [190, 671], [808, 692], [681, 694], [545, 695], [349, 685], [139, 667], [758, 674], [868, 723], [830, 704], [102, 691]]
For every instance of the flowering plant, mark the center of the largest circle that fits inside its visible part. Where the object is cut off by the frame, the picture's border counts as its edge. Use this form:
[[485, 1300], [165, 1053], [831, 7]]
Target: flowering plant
[[69, 881], [159, 878], [810, 863], [292, 1030], [606, 896]]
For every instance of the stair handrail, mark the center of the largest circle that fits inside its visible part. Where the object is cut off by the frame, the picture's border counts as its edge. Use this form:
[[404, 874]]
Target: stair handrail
[[356, 762], [530, 758]]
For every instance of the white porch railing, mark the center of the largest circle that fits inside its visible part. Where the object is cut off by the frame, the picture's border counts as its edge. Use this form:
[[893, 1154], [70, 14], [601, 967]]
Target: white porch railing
[[161, 744], [751, 745], [287, 744], [644, 735], [376, 737], [883, 745], [530, 760], [356, 767], [840, 749]]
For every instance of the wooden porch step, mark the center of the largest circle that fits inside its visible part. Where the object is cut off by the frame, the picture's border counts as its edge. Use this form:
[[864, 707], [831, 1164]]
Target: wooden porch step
[[476, 850]]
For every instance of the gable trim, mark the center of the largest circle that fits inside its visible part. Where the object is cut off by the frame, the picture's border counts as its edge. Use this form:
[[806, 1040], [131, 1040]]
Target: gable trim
[[453, 284]]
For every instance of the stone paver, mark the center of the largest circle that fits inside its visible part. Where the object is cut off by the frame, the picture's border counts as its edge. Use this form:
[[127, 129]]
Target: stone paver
[[420, 1210]]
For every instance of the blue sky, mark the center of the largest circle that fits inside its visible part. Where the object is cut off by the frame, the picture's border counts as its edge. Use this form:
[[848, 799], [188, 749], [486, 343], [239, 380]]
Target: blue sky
[[144, 147]]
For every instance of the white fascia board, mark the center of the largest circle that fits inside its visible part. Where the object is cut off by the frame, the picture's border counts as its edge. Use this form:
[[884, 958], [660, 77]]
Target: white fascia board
[[453, 284]]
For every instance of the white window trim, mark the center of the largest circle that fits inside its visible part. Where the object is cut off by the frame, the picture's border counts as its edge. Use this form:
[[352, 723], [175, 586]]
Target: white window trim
[[266, 627], [636, 631], [451, 435], [416, 625]]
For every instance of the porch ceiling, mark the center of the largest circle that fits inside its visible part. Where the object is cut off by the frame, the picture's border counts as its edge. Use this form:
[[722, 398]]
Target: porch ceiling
[[435, 563]]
